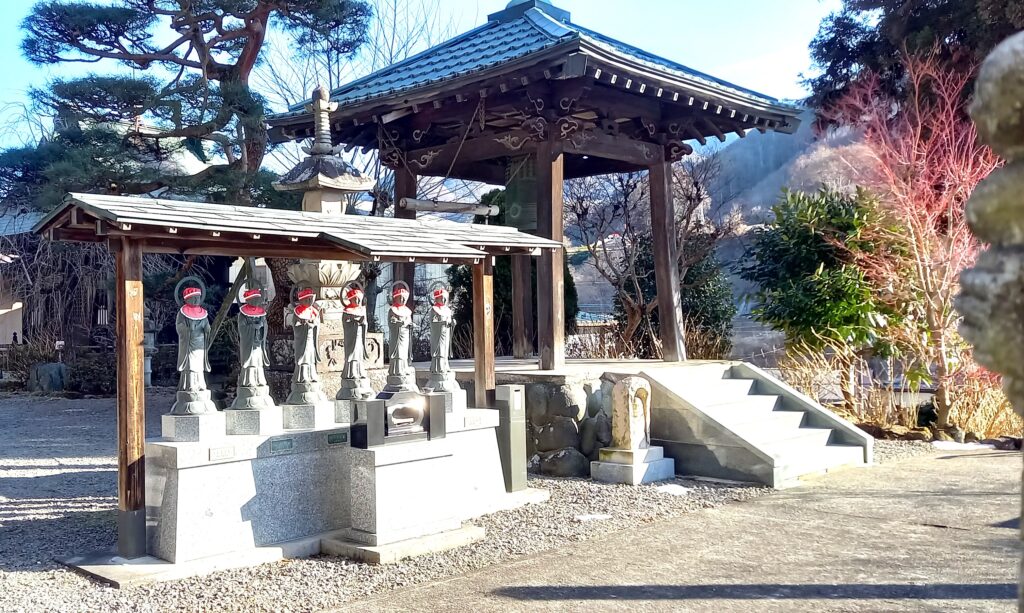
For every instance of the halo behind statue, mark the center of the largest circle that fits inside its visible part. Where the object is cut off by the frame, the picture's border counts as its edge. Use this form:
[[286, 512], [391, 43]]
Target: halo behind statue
[[178, 299], [250, 283], [344, 291], [397, 284], [436, 285], [293, 296]]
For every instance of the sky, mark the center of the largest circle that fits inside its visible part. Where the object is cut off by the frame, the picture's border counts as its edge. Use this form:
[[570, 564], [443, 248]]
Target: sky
[[758, 45]]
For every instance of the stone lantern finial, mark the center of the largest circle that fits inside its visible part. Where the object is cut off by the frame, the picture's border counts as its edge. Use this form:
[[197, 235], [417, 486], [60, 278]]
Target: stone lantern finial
[[324, 176], [321, 107]]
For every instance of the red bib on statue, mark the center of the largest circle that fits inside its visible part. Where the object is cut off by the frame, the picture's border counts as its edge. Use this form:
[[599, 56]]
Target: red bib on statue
[[193, 311]]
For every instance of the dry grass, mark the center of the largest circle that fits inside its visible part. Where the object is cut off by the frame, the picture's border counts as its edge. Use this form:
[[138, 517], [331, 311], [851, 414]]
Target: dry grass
[[982, 407]]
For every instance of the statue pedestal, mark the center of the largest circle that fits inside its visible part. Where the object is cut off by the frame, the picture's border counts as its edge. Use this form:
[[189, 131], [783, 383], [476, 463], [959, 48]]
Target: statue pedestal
[[193, 428], [632, 466], [355, 389], [193, 403], [256, 398], [263, 422], [344, 411], [454, 405], [315, 416]]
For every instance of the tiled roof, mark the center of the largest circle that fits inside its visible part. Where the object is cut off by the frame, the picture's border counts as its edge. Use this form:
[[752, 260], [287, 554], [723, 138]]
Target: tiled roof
[[371, 237], [502, 41]]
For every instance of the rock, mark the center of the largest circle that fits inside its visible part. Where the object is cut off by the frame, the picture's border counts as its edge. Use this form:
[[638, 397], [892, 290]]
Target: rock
[[537, 403], [873, 430], [588, 438], [1003, 443], [595, 400], [942, 435], [604, 430], [533, 465], [972, 437], [897, 432], [561, 432], [48, 377], [564, 463], [920, 434], [567, 402], [957, 434], [606, 396]]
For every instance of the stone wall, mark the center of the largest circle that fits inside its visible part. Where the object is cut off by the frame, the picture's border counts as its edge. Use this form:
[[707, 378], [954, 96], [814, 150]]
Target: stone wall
[[567, 424]]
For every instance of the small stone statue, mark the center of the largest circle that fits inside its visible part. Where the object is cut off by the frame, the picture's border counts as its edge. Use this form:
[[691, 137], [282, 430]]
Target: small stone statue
[[355, 385], [193, 397], [305, 321], [442, 378], [401, 375], [631, 414], [253, 391]]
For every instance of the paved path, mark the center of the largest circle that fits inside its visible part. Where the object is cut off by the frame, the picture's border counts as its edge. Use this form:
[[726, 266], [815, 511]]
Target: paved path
[[934, 533]]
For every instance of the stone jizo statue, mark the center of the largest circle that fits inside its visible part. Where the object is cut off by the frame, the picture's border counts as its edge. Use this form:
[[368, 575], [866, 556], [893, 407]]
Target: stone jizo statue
[[401, 375], [253, 391], [304, 319], [631, 414], [193, 326], [355, 385], [442, 379]]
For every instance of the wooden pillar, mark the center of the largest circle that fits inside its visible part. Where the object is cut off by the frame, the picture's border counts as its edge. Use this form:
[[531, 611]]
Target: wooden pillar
[[551, 267], [666, 262], [522, 306], [131, 407], [483, 334], [405, 187]]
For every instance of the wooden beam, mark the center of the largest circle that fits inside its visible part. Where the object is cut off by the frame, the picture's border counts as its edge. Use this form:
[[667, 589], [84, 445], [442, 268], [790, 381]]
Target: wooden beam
[[666, 263], [522, 307], [405, 187], [484, 380], [437, 161], [618, 148], [550, 269], [131, 403]]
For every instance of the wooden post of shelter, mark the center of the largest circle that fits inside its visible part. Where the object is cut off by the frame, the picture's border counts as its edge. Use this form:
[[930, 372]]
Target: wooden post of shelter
[[522, 306], [405, 187], [131, 408], [666, 262], [484, 382], [551, 267]]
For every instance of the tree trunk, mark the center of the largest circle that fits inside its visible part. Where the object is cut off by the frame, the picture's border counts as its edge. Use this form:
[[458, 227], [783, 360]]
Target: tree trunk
[[282, 289], [848, 384]]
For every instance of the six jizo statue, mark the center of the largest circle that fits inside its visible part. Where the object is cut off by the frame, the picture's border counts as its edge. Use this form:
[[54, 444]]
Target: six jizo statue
[[252, 390], [193, 326], [401, 376], [442, 378], [355, 385], [304, 318]]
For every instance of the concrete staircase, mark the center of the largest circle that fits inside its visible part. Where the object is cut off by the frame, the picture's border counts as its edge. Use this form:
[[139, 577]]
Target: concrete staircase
[[732, 420]]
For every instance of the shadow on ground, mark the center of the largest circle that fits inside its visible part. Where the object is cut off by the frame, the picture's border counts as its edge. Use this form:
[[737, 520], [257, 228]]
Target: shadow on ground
[[856, 591]]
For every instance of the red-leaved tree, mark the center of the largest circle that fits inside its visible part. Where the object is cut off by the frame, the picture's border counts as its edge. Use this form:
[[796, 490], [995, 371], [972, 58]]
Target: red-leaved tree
[[927, 161]]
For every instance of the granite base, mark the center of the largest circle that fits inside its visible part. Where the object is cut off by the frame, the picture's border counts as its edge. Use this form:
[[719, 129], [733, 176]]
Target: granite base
[[308, 416], [193, 428], [265, 422], [632, 466], [395, 552]]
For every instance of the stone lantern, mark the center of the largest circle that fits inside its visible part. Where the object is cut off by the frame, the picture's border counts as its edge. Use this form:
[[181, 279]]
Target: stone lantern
[[327, 181]]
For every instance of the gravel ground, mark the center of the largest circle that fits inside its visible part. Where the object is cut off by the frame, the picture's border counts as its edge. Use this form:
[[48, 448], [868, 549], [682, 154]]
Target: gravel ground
[[57, 498], [891, 451]]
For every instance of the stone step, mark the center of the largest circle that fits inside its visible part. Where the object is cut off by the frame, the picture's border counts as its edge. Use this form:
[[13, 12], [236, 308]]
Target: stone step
[[757, 402], [778, 422], [794, 442], [820, 460], [719, 390]]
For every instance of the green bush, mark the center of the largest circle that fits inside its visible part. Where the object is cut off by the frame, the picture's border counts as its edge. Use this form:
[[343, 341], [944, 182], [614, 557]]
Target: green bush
[[94, 373]]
